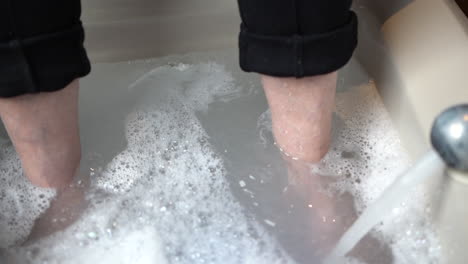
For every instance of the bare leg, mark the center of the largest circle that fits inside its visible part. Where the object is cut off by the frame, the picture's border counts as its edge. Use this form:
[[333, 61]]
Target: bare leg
[[44, 131], [301, 111]]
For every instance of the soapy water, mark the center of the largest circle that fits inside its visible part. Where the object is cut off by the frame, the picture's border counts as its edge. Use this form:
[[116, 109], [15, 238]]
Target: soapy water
[[430, 165], [406, 227], [365, 158], [199, 179], [20, 202], [167, 181]]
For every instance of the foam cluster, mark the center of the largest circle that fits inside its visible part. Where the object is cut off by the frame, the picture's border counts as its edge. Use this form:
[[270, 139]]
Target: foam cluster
[[169, 152], [165, 198], [366, 156], [167, 190], [20, 202]]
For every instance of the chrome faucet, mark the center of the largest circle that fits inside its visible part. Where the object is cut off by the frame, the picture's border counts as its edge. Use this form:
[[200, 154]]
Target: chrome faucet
[[449, 137]]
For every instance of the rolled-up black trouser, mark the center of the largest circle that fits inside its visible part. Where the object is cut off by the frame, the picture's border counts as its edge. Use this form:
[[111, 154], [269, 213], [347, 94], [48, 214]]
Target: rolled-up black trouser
[[296, 37], [41, 46], [41, 42]]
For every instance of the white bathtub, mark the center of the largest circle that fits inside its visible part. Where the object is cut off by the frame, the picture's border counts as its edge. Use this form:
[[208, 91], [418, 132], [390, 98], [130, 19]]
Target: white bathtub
[[417, 52]]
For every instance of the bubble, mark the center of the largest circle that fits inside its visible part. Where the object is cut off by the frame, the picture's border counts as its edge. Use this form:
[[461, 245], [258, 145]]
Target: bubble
[[20, 202], [242, 184], [170, 181], [366, 156], [270, 223], [168, 199]]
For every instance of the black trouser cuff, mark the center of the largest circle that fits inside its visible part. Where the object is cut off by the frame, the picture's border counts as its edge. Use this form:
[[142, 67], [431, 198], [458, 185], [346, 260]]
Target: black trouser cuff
[[298, 55], [43, 63]]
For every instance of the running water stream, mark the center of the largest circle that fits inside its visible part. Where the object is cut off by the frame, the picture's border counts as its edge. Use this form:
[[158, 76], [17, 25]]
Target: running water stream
[[430, 165]]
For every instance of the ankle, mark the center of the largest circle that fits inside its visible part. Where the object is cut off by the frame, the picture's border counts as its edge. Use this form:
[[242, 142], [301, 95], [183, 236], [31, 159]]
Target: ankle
[[44, 130], [301, 113], [50, 166]]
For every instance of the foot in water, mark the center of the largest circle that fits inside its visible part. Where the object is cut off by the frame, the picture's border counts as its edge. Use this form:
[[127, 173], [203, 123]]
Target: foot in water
[[64, 210], [330, 214]]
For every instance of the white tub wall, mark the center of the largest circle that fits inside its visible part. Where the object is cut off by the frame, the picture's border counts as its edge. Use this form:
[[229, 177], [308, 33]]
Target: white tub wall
[[381, 9], [375, 56], [119, 30], [418, 60], [428, 45], [135, 29]]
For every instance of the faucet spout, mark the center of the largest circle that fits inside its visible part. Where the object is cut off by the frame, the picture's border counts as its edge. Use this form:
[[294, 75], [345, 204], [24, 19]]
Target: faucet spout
[[449, 137]]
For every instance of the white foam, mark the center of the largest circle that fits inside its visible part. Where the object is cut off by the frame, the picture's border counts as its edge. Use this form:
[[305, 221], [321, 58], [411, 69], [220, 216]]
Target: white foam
[[166, 188], [187, 176], [367, 156], [20, 202], [165, 198]]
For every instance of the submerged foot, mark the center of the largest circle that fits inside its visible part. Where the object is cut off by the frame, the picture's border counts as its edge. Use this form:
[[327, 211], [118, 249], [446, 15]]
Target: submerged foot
[[331, 214], [64, 210], [326, 212]]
